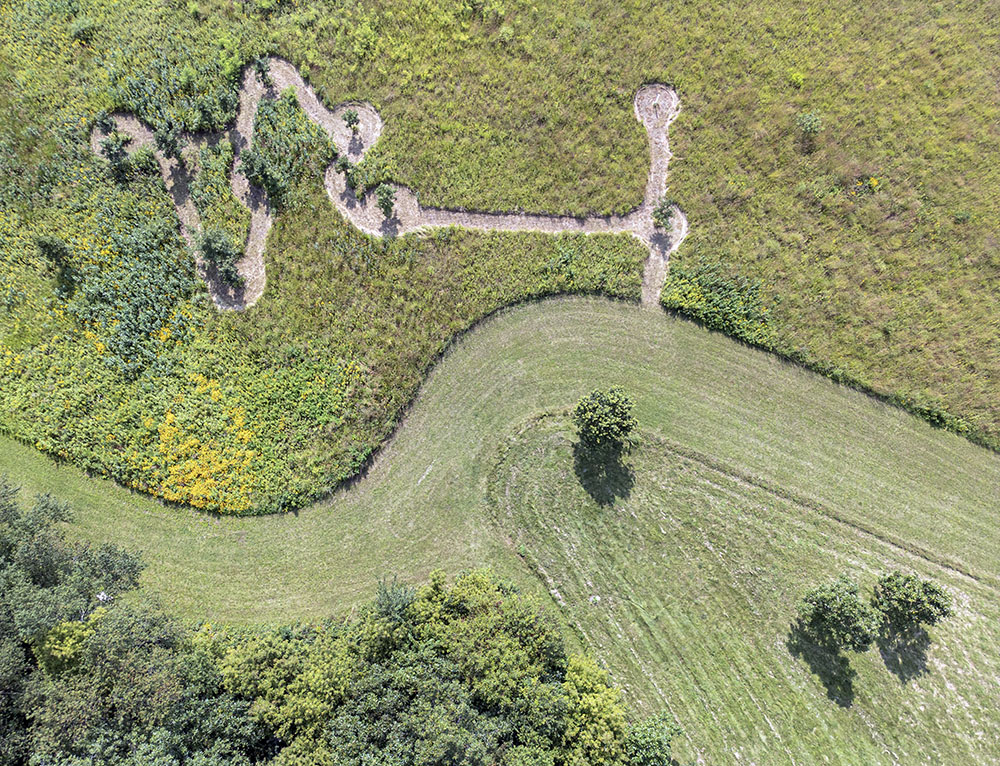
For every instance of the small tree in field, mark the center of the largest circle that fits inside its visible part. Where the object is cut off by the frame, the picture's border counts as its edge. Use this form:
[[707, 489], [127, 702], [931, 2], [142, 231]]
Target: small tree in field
[[386, 197], [604, 418], [352, 120], [663, 213], [905, 602], [835, 616]]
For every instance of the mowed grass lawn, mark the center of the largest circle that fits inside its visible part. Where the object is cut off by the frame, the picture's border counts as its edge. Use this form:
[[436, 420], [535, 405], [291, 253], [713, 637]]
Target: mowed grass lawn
[[682, 575], [755, 479]]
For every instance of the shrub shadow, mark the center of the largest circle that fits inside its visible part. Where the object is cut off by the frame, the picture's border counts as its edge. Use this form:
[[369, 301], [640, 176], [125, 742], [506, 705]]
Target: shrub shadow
[[905, 654], [832, 667], [603, 472]]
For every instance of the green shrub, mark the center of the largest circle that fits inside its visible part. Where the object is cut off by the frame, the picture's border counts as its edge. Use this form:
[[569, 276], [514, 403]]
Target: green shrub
[[796, 79], [809, 123], [167, 137], [286, 146], [213, 195], [386, 197], [217, 249], [114, 150], [648, 742], [83, 28], [905, 602], [836, 617], [352, 120], [604, 418], [663, 213], [732, 304]]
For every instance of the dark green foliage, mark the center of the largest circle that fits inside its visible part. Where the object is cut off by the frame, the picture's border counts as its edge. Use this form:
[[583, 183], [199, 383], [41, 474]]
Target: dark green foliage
[[809, 123], [262, 69], [53, 250], [217, 249], [104, 122], [44, 581], [415, 709], [286, 146], [446, 675], [604, 418], [352, 120], [837, 618], [709, 293], [386, 197], [168, 138], [113, 148], [663, 213], [648, 741], [173, 86], [905, 602], [141, 690], [393, 599], [131, 299]]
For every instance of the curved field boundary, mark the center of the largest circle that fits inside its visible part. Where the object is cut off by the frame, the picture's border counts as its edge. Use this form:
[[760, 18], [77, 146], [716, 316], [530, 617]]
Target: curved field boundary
[[655, 105], [421, 504]]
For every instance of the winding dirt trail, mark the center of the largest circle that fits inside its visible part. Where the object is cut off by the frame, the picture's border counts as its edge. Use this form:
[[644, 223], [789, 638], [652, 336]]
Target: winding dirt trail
[[656, 106]]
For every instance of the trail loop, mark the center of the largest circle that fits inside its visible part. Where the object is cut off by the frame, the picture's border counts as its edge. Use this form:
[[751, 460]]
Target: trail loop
[[655, 105]]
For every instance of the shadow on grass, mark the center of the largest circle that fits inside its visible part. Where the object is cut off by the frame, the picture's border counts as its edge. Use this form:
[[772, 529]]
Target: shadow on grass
[[832, 667], [603, 472], [905, 654]]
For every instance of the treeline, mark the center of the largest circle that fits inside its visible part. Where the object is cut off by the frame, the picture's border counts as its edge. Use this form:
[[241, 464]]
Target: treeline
[[467, 673]]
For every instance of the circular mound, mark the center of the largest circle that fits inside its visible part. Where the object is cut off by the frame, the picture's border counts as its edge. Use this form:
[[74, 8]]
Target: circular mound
[[656, 105]]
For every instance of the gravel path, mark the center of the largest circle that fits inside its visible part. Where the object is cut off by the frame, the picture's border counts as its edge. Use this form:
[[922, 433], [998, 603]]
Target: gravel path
[[656, 106]]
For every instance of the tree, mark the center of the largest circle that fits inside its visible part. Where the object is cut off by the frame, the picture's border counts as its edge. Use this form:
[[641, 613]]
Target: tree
[[836, 617], [648, 741], [604, 418], [595, 720], [352, 120], [218, 249], [386, 197], [663, 213], [904, 602]]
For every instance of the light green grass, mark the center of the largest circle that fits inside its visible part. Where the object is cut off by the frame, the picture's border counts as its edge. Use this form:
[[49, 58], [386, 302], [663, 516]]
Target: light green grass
[[515, 106], [686, 585], [698, 571]]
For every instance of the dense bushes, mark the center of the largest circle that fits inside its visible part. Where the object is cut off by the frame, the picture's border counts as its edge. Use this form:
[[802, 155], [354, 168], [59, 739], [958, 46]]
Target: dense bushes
[[286, 146], [722, 301], [468, 673], [212, 194]]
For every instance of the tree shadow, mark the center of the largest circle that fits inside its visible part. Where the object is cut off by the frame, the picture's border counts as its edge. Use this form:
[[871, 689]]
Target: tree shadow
[[603, 472], [905, 654], [390, 227], [832, 667]]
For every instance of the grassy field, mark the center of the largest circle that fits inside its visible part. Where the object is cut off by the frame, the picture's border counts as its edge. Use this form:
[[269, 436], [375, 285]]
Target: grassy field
[[754, 480], [682, 574], [875, 242]]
